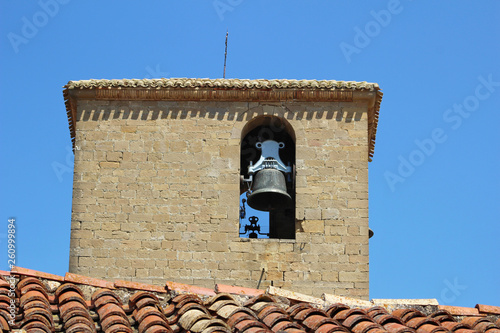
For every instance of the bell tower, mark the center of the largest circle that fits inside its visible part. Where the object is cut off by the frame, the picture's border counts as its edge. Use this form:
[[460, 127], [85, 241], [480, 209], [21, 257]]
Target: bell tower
[[167, 171]]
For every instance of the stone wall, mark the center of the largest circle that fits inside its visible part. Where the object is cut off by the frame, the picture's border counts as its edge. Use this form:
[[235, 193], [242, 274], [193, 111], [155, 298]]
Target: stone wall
[[156, 196]]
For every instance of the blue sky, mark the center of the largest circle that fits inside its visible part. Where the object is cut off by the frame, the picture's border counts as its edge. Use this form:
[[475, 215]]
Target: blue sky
[[434, 181]]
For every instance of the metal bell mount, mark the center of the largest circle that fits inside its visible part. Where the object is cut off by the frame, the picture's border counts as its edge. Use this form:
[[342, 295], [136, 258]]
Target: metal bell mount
[[269, 186]]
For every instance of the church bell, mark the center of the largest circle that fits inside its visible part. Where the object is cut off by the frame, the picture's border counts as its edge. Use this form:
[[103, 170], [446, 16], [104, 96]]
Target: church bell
[[267, 179], [269, 191]]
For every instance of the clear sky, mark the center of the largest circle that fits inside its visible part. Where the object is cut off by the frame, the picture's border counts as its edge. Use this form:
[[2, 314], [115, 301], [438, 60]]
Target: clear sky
[[434, 180]]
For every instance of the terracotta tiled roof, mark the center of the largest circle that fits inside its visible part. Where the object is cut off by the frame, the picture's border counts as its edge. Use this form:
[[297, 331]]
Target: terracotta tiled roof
[[225, 90], [42, 304]]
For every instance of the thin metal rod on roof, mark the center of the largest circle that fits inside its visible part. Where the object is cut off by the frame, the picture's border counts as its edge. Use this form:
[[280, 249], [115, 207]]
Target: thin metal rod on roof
[[261, 275], [225, 56]]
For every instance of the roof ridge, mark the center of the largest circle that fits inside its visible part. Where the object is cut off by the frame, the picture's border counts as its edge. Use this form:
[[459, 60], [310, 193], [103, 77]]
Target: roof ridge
[[221, 83]]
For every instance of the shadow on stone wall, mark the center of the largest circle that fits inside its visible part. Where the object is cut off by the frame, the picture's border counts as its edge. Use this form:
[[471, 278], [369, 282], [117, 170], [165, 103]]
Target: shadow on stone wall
[[216, 113]]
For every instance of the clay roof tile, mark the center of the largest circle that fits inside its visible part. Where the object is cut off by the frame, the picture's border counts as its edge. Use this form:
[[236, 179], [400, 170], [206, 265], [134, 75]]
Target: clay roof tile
[[488, 309], [220, 297], [333, 309], [223, 312], [36, 326]]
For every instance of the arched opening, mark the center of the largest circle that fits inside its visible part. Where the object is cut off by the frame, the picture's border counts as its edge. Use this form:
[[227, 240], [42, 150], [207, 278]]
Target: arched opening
[[267, 179]]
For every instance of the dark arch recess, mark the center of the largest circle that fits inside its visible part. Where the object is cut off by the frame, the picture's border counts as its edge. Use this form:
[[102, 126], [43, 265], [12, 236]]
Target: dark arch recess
[[259, 129]]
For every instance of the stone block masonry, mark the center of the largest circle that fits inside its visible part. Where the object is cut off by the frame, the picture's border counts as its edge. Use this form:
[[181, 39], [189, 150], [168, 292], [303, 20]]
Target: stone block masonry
[[156, 195]]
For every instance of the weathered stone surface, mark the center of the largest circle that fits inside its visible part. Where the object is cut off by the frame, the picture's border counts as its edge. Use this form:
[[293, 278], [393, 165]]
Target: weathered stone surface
[[156, 193]]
